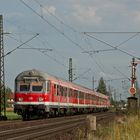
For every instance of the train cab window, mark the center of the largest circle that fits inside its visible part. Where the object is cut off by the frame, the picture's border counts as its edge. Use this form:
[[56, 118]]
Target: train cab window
[[25, 87], [37, 87]]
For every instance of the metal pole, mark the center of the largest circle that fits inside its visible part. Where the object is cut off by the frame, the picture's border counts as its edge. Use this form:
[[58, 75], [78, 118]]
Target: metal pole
[[70, 70], [2, 74], [93, 82]]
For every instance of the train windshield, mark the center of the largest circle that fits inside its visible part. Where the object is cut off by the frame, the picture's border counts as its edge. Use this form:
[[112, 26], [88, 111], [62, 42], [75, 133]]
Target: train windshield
[[30, 87], [37, 87], [25, 87]]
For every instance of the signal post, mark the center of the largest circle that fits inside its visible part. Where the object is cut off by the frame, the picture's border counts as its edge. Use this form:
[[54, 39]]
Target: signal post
[[133, 101]]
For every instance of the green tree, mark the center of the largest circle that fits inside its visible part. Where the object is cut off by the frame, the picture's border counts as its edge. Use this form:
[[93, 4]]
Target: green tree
[[110, 89], [102, 87], [8, 93]]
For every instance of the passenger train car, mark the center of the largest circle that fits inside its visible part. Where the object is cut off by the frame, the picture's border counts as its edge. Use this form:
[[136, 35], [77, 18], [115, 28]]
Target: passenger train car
[[41, 94]]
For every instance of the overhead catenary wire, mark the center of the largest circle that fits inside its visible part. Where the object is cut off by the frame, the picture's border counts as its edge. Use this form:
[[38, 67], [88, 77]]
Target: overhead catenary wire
[[119, 32], [115, 79], [103, 50], [100, 65], [23, 43], [56, 17], [53, 26], [47, 43], [81, 74], [57, 29], [42, 51], [99, 40], [122, 73]]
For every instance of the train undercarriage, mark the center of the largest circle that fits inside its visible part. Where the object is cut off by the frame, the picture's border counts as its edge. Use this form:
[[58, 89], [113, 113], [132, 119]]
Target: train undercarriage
[[29, 112]]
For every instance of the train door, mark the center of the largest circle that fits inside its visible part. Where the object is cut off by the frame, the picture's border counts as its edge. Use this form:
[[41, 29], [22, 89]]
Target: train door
[[68, 98], [49, 93], [78, 100], [58, 96]]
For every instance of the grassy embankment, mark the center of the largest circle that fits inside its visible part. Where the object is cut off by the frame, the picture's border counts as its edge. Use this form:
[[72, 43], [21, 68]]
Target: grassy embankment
[[11, 115], [126, 128]]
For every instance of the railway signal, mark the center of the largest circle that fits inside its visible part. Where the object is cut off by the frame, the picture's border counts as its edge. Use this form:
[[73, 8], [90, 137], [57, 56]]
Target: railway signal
[[132, 90], [133, 101]]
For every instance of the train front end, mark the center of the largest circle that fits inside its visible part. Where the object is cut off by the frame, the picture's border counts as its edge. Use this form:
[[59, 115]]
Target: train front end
[[30, 89]]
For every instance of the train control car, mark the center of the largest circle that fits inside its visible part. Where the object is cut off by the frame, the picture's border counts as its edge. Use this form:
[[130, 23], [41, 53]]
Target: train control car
[[41, 94]]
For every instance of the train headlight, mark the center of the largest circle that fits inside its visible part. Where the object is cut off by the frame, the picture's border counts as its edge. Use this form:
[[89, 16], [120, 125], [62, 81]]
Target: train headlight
[[40, 99], [20, 99]]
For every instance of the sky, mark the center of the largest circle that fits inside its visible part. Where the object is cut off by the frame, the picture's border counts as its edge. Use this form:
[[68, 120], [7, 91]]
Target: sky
[[101, 37]]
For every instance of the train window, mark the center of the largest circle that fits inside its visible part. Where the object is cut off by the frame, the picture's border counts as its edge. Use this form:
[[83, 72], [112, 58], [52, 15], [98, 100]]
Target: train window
[[24, 87], [54, 89], [70, 92], [58, 90], [54, 86], [80, 94], [75, 93], [86, 97], [83, 95], [48, 85], [61, 91], [37, 87], [92, 97], [65, 91]]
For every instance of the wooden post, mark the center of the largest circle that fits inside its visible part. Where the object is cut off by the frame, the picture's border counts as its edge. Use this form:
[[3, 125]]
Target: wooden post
[[91, 123]]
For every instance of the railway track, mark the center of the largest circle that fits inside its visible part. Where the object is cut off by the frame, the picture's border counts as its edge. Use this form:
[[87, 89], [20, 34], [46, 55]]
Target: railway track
[[45, 128]]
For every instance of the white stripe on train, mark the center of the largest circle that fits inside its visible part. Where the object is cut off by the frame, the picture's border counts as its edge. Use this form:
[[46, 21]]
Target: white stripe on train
[[59, 104]]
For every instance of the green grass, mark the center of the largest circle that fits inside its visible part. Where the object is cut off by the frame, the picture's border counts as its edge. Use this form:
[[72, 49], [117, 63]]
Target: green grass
[[12, 116], [127, 130]]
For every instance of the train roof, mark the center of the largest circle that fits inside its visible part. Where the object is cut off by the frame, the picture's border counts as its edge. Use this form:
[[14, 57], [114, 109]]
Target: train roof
[[45, 77]]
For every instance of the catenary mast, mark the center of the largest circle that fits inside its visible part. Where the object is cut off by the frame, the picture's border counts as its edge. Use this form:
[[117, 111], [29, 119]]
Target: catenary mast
[[2, 76]]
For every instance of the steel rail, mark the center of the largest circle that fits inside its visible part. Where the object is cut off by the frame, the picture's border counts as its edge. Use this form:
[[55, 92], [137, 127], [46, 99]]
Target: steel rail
[[32, 132]]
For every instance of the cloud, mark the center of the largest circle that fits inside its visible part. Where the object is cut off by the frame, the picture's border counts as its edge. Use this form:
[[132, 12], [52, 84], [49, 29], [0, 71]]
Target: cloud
[[85, 14], [47, 10], [136, 16]]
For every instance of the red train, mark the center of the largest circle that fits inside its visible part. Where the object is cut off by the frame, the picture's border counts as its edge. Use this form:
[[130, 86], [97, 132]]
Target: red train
[[41, 94]]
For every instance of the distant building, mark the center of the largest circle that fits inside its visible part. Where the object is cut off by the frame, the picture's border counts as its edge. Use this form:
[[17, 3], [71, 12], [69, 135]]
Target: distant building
[[10, 100]]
